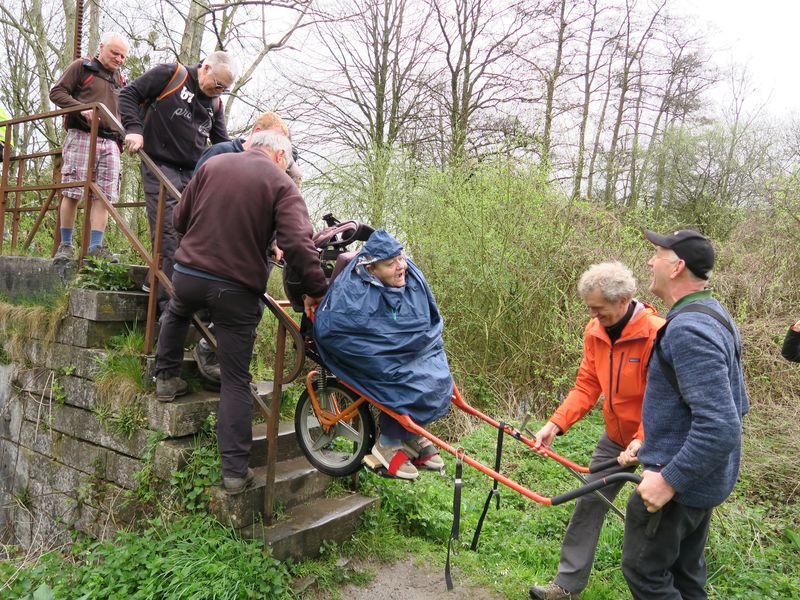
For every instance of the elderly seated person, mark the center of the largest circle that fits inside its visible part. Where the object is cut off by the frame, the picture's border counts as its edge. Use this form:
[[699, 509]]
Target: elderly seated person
[[378, 329]]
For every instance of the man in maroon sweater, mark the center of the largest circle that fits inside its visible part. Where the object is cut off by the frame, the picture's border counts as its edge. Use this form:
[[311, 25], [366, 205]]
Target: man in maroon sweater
[[227, 215]]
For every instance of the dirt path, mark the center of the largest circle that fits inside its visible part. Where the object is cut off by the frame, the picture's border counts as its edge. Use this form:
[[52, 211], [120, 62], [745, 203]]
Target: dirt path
[[405, 580]]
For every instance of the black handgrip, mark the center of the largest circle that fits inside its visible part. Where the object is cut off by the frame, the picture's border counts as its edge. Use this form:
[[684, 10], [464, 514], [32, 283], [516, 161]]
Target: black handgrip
[[594, 485], [608, 464]]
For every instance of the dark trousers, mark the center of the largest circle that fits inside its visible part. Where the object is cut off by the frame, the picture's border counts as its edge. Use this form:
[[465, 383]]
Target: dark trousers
[[391, 428], [662, 553], [236, 312], [583, 532], [170, 238]]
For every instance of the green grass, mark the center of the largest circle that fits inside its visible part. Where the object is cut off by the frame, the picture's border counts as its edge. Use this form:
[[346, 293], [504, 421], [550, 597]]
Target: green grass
[[189, 557], [753, 550]]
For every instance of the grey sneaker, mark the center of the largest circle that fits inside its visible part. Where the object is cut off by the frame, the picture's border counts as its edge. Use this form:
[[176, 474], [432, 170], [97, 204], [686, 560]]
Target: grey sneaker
[[65, 252], [207, 362], [236, 485], [167, 388], [423, 453], [396, 461], [103, 253], [552, 591]]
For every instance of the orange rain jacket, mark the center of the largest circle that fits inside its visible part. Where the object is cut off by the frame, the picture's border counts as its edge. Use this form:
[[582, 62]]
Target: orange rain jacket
[[618, 371]]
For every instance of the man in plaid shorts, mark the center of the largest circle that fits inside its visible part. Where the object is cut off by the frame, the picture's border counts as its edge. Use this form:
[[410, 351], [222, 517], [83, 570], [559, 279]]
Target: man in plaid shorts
[[98, 79]]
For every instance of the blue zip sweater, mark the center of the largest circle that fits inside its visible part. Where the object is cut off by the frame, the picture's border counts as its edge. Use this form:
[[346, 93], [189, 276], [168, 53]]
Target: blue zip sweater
[[695, 439]]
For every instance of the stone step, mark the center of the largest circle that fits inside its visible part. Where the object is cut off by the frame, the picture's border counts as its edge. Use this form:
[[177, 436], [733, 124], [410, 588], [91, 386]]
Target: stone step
[[302, 531], [102, 305], [173, 454], [296, 482], [287, 444]]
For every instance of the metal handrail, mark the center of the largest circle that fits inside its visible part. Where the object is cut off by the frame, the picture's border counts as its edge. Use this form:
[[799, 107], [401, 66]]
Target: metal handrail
[[157, 276]]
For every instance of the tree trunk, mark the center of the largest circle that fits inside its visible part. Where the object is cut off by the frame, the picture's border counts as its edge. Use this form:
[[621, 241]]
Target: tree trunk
[[193, 30], [93, 39], [552, 80]]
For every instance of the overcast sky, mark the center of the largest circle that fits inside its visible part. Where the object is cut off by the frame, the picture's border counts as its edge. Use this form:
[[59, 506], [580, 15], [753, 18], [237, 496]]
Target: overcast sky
[[763, 35]]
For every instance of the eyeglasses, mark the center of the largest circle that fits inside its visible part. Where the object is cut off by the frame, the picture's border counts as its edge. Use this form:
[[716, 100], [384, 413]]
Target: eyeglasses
[[223, 89]]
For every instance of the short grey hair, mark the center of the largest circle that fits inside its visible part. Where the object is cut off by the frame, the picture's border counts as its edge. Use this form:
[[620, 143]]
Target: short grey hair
[[614, 280], [113, 35], [272, 140], [221, 60]]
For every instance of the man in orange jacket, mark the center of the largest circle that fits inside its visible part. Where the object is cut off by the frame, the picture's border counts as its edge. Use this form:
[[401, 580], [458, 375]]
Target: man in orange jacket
[[617, 344]]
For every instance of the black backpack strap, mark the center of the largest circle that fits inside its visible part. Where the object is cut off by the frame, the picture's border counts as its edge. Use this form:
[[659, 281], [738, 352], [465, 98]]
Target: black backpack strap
[[175, 83], [666, 368]]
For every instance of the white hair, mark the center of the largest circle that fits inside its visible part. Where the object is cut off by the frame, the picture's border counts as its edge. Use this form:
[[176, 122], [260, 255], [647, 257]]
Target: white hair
[[221, 60], [614, 280], [113, 35], [272, 140]]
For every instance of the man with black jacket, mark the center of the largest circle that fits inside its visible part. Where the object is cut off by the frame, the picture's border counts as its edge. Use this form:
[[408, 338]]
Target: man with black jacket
[[226, 274], [97, 79], [171, 112]]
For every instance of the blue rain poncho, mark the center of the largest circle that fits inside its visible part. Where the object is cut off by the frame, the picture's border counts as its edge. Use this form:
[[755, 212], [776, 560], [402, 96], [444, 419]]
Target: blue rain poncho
[[386, 342]]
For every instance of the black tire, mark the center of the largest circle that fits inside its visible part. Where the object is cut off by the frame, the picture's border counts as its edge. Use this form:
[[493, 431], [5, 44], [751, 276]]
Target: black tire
[[337, 452]]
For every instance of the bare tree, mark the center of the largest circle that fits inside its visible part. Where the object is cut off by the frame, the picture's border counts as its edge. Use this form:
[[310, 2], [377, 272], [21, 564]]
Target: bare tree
[[634, 41], [480, 41], [593, 62]]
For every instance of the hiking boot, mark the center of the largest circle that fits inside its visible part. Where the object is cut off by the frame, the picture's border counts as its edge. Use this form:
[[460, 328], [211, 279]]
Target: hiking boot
[[167, 388], [102, 253], [65, 252], [423, 453], [552, 591], [396, 461], [236, 485], [207, 362]]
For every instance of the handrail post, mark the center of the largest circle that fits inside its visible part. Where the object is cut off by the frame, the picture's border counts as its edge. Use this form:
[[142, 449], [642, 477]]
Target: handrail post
[[5, 166], [272, 423], [17, 205], [87, 190], [154, 266]]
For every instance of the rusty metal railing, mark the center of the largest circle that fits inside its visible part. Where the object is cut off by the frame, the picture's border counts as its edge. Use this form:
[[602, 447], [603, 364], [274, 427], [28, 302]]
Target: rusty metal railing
[[153, 261], [90, 189]]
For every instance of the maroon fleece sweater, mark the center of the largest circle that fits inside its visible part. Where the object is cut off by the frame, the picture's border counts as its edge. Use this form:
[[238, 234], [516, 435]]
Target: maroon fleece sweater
[[227, 215]]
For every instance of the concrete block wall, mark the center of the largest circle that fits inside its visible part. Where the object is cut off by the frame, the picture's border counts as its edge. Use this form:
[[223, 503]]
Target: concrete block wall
[[62, 467]]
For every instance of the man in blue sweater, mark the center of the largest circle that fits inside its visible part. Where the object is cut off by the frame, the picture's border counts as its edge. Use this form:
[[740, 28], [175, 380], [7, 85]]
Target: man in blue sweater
[[692, 416]]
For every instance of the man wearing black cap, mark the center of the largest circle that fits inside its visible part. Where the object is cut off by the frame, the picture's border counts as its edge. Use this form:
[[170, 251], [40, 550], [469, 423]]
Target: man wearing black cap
[[692, 416]]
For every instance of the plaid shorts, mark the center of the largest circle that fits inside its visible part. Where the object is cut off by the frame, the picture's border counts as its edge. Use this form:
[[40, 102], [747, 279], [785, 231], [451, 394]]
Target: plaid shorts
[[107, 168]]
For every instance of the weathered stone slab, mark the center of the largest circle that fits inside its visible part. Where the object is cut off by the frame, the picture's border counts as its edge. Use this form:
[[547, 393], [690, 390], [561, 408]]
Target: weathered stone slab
[[296, 482], [183, 416], [58, 356], [172, 455], [101, 305], [70, 451], [121, 469], [86, 426], [88, 334], [36, 380], [25, 276], [12, 406], [301, 534]]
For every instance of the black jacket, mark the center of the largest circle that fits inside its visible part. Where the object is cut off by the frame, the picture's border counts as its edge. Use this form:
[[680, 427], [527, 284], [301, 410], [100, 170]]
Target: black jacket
[[791, 346], [177, 128]]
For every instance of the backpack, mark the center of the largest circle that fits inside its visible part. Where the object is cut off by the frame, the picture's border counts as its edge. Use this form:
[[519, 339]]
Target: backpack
[[88, 66], [666, 368]]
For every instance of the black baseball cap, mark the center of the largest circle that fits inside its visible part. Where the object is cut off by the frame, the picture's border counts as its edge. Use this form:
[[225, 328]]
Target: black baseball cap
[[692, 247]]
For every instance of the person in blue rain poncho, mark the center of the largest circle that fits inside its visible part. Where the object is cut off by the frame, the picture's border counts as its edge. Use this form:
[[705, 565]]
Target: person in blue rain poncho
[[378, 328]]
